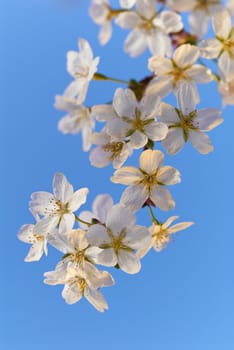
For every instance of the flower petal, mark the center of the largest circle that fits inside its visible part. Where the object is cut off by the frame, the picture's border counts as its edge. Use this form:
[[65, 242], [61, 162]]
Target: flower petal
[[174, 141], [168, 175], [127, 175], [162, 198], [134, 196], [151, 160], [128, 262], [201, 142]]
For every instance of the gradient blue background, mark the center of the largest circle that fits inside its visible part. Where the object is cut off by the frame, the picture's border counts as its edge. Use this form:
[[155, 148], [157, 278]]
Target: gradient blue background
[[183, 297]]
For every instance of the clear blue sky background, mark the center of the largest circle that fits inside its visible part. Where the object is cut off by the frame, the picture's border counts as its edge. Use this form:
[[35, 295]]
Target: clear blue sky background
[[183, 297]]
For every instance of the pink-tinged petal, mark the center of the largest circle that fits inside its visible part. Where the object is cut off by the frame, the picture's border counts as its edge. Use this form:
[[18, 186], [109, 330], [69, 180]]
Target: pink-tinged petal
[[96, 298], [46, 225], [138, 140], [149, 106], [35, 252], [199, 74], [118, 218], [168, 175], [128, 262], [78, 198], [151, 160], [127, 175], [66, 223], [102, 205], [137, 237], [97, 235], [185, 98], [156, 131], [128, 20], [107, 257], [162, 198], [168, 114], [135, 43], [63, 190], [174, 141], [160, 86], [179, 227], [210, 48], [71, 293], [201, 142], [222, 24], [208, 118], [134, 197], [186, 55], [125, 103], [160, 65]]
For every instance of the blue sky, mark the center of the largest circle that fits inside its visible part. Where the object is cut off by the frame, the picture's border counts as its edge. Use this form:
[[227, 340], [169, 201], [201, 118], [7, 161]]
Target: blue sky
[[183, 297]]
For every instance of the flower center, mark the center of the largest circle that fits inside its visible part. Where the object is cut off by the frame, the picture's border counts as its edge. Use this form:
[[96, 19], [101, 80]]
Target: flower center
[[114, 148]]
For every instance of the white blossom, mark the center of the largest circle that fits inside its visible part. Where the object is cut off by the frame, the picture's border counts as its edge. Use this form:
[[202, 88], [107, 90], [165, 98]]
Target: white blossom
[[101, 14], [127, 4], [186, 123], [82, 67], [119, 238], [147, 182], [109, 150], [149, 28], [172, 74], [161, 234], [79, 118], [79, 284], [57, 209], [135, 121]]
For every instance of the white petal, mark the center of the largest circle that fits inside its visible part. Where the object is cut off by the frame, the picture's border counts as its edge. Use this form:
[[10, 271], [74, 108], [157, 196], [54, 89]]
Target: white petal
[[174, 141], [149, 106], [168, 175], [186, 55], [210, 48], [168, 114], [107, 257], [127, 3], [208, 118], [71, 294], [160, 86], [156, 131], [162, 198], [179, 227], [128, 20], [198, 21], [125, 102], [135, 43], [118, 218], [138, 140], [105, 33], [160, 65], [222, 24], [96, 299], [46, 225], [199, 74], [168, 222], [102, 205], [134, 197], [78, 198], [63, 190], [127, 176], [99, 158], [137, 237], [35, 252], [171, 21], [146, 8], [201, 142], [103, 112], [67, 222], [97, 235], [185, 99], [128, 262], [40, 201], [25, 234], [150, 160], [160, 43]]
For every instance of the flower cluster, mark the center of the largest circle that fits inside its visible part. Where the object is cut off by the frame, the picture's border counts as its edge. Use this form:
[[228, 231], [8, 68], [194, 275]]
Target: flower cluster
[[137, 118]]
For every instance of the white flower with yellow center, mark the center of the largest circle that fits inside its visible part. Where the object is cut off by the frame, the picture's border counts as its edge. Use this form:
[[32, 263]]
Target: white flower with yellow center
[[79, 118], [57, 209], [134, 121], [171, 74], [161, 234], [221, 47], [79, 284], [150, 28], [147, 182], [186, 123], [82, 67], [119, 239]]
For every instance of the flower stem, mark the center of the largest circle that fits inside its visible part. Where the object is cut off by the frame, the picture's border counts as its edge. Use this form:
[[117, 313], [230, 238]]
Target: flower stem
[[153, 218], [99, 76], [82, 221]]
